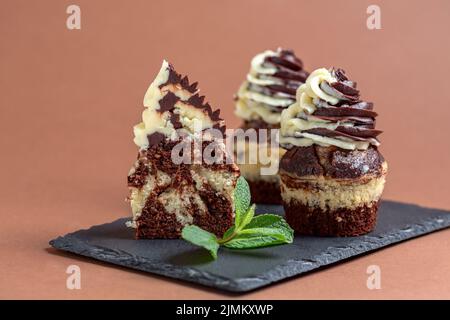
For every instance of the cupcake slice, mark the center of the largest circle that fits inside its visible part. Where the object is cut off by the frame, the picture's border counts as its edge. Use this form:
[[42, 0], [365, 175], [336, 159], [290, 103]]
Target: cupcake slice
[[332, 175], [270, 88], [182, 174]]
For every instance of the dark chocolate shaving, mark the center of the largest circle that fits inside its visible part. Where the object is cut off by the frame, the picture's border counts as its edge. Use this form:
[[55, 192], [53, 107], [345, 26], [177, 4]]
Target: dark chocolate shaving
[[339, 74], [342, 111], [298, 76], [167, 103], [155, 138], [359, 132], [284, 62], [346, 90], [357, 120], [349, 110], [324, 132], [275, 88], [175, 120], [176, 79], [196, 100], [289, 72]]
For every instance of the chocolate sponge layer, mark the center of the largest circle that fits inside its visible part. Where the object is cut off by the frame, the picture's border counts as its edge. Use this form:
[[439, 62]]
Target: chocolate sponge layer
[[340, 222], [265, 192], [332, 162]]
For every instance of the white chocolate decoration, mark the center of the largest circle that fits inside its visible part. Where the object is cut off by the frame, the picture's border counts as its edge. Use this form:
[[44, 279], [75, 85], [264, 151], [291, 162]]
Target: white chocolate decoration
[[193, 119], [300, 116], [254, 102]]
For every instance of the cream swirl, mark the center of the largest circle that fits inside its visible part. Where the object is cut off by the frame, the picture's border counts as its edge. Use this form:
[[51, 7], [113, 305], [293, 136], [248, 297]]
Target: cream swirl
[[270, 86], [173, 107], [327, 112]]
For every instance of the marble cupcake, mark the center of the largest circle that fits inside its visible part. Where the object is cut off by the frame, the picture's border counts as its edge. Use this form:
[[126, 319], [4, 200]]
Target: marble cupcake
[[332, 175], [270, 88]]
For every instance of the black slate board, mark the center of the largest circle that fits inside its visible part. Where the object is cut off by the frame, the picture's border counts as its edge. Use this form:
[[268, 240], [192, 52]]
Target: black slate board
[[244, 270]]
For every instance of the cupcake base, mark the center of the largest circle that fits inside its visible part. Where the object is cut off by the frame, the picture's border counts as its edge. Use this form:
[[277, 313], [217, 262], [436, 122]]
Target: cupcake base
[[342, 222], [328, 191], [265, 192]]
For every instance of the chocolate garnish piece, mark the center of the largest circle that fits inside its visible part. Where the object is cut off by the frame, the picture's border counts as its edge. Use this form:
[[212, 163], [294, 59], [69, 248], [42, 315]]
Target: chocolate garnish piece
[[359, 131], [345, 89], [175, 120], [359, 120], [289, 74], [299, 76], [155, 138], [328, 88], [176, 79], [196, 100], [287, 60], [324, 132], [276, 88], [339, 74], [342, 111], [216, 115], [167, 103]]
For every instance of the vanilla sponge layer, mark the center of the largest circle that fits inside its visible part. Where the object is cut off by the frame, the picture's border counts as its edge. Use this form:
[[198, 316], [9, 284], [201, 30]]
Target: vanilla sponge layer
[[252, 171], [331, 194]]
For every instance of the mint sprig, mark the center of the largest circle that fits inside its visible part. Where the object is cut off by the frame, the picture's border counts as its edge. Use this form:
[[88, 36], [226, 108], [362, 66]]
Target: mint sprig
[[249, 231]]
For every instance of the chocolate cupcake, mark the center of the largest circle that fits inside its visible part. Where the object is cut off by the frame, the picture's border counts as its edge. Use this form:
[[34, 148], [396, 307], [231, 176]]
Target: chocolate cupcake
[[270, 88], [332, 175]]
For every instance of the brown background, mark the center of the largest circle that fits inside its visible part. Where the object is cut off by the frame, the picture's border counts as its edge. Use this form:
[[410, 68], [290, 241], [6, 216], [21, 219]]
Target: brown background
[[69, 100]]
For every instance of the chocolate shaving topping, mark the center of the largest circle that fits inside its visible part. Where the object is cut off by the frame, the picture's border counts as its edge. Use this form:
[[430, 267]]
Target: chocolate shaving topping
[[324, 132], [220, 128], [359, 132], [175, 120], [155, 138], [350, 110], [346, 90], [339, 74], [289, 76], [197, 101], [176, 79], [289, 72], [285, 62], [284, 89], [167, 103], [343, 111], [357, 120]]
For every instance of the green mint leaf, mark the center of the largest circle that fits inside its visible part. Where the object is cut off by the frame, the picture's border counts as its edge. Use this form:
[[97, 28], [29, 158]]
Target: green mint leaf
[[241, 198], [257, 238], [246, 218], [202, 238], [272, 221], [228, 235]]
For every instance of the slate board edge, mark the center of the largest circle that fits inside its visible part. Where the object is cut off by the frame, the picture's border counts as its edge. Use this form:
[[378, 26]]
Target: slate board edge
[[290, 269]]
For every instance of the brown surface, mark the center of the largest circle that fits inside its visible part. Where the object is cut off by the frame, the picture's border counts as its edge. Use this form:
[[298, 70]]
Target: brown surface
[[69, 99]]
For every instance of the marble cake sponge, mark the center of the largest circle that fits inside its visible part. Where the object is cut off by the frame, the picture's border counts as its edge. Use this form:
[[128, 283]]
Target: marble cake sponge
[[165, 196], [328, 191]]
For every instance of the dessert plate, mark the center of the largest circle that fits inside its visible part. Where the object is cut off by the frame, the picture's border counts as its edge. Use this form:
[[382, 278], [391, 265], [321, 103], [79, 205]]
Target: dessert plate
[[245, 270]]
